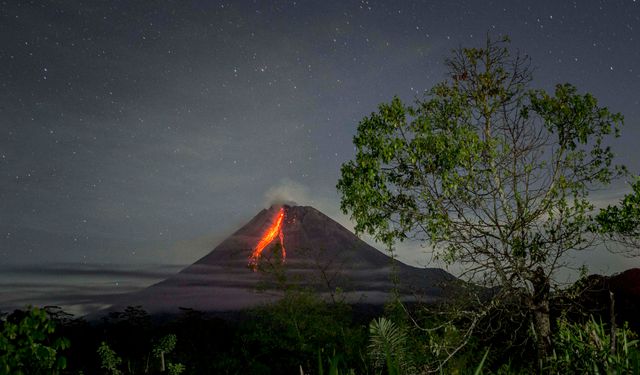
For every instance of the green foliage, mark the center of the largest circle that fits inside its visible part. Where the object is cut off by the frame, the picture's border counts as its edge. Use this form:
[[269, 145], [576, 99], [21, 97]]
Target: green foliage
[[130, 335], [175, 368], [295, 329], [165, 345], [493, 175], [330, 343], [587, 349], [577, 121], [27, 346], [109, 360], [333, 363], [478, 370], [470, 162], [388, 347], [621, 223], [443, 342], [300, 326]]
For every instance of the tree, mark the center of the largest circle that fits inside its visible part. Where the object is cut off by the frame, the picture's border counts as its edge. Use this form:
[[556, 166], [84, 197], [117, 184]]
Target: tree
[[164, 346], [621, 224], [493, 175], [27, 345], [109, 360]]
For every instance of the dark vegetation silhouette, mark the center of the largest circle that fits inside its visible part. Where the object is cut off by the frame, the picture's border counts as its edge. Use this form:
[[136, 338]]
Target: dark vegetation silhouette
[[303, 331]]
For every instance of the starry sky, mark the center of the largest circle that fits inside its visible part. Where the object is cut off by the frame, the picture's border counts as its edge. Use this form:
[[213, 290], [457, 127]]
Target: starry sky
[[140, 133]]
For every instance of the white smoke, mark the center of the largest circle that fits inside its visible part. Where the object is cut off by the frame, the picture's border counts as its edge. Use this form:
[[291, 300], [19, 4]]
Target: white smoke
[[288, 192]]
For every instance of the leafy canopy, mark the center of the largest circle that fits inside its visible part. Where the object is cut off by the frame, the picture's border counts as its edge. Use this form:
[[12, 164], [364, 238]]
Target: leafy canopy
[[491, 173], [27, 345]]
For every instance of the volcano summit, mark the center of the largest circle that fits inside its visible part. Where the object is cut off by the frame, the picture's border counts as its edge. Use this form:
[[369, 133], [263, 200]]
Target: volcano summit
[[320, 253]]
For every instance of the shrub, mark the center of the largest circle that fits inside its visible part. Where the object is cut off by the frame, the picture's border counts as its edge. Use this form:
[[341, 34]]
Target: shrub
[[587, 349], [109, 360], [27, 346]]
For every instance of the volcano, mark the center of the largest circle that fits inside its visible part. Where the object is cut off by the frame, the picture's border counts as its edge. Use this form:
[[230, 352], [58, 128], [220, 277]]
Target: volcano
[[250, 267]]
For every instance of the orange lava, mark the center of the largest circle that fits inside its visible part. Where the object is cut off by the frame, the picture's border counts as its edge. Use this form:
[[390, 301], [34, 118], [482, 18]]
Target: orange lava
[[275, 230]]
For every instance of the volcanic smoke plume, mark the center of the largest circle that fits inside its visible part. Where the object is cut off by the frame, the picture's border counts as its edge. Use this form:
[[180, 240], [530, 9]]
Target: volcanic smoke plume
[[320, 253]]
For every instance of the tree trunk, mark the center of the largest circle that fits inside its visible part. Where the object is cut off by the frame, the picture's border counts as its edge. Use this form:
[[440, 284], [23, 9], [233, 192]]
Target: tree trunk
[[542, 326], [162, 361], [541, 316], [612, 313]]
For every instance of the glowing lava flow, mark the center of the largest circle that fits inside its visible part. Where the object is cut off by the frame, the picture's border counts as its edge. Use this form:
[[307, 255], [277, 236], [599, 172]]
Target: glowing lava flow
[[275, 230]]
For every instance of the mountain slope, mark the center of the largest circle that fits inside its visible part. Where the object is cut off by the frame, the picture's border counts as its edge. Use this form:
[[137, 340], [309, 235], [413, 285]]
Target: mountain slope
[[320, 253]]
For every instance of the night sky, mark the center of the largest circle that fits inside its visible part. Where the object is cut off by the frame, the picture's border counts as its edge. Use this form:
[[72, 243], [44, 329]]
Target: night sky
[[138, 134]]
